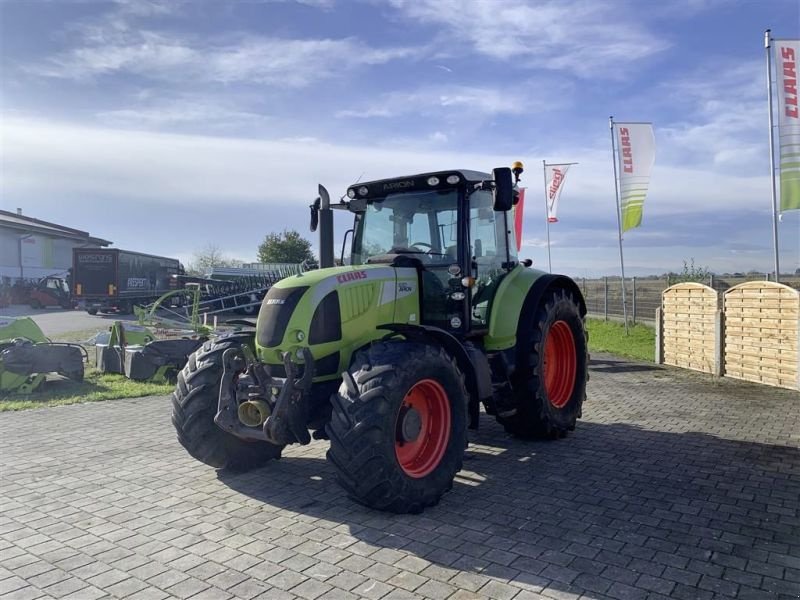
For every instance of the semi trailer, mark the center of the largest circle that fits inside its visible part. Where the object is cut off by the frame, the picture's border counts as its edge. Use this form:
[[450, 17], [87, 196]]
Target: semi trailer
[[114, 280]]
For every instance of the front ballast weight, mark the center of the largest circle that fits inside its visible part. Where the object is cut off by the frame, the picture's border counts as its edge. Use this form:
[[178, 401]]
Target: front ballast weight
[[255, 406]]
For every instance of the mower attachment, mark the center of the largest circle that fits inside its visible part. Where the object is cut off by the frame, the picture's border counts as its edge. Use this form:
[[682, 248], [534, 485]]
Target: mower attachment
[[24, 364], [160, 360]]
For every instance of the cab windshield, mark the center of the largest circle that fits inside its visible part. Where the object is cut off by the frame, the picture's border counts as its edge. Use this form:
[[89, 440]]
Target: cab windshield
[[421, 224]]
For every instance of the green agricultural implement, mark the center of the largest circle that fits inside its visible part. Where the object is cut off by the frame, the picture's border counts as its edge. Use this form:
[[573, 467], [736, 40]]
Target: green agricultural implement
[[27, 356], [391, 356], [133, 350]]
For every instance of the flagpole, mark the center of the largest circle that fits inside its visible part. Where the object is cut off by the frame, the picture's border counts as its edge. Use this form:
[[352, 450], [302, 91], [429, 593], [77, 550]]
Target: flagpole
[[547, 217], [767, 45], [619, 223]]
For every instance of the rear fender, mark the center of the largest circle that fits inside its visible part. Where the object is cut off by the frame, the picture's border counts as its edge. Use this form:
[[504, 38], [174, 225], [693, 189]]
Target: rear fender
[[515, 301], [536, 294]]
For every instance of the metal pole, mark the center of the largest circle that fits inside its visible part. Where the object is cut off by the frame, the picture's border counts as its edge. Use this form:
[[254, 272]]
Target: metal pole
[[619, 223], [634, 301], [767, 41], [605, 298], [547, 217]]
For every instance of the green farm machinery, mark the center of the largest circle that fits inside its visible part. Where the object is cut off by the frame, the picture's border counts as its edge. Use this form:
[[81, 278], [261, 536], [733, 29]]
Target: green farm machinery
[[391, 356], [27, 357]]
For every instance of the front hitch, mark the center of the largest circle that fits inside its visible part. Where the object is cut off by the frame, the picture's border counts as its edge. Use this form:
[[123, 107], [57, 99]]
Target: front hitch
[[289, 419], [287, 422]]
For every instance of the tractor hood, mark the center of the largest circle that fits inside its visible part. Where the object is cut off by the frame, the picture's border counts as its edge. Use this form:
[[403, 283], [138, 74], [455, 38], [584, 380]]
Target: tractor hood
[[333, 312]]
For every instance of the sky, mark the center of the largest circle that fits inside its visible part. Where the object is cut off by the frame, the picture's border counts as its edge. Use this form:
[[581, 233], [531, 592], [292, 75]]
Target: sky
[[168, 125]]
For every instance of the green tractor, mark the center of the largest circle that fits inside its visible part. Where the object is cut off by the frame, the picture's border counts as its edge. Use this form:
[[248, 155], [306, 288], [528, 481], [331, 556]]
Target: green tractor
[[391, 356]]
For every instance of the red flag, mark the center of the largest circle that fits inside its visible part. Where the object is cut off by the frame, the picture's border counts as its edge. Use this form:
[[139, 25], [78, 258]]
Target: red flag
[[518, 210]]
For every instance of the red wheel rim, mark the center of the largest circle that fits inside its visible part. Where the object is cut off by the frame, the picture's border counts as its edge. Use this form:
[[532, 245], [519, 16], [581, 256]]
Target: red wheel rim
[[425, 411], [560, 364]]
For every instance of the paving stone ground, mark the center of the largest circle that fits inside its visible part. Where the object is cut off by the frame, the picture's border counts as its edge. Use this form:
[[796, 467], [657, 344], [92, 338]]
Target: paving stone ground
[[674, 485]]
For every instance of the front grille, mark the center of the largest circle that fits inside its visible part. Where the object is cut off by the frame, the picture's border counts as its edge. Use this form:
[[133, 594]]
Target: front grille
[[276, 310]]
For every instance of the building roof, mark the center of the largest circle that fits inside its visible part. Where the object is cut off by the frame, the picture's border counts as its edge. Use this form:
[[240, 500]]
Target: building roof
[[29, 224]]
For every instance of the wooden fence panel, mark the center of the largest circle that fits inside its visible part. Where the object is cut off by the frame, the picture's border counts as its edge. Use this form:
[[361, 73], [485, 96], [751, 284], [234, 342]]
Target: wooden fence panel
[[689, 327], [762, 321]]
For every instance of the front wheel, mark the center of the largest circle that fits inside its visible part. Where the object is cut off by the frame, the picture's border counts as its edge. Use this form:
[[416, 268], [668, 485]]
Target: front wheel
[[550, 385], [194, 405], [398, 426]]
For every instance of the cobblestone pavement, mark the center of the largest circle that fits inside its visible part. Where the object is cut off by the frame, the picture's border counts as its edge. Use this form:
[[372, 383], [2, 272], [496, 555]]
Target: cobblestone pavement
[[673, 485]]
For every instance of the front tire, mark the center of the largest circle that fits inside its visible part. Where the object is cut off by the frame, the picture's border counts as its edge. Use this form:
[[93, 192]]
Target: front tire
[[194, 405], [550, 385], [398, 426]]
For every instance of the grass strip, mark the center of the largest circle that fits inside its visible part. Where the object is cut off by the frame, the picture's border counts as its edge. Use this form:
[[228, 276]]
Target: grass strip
[[95, 387], [609, 336]]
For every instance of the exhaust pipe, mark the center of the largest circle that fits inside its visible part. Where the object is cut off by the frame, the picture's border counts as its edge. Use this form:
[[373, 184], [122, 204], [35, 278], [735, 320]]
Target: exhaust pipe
[[325, 229], [253, 413]]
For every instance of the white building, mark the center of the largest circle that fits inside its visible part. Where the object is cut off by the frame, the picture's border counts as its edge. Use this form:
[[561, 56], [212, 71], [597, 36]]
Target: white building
[[32, 249]]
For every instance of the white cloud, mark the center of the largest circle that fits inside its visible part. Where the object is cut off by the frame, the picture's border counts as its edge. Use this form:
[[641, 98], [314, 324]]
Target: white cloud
[[180, 112], [587, 38], [290, 63], [104, 167], [116, 42], [725, 117], [45, 157], [462, 101]]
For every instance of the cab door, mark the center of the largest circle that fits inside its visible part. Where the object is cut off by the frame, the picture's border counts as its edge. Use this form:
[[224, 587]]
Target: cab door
[[491, 254]]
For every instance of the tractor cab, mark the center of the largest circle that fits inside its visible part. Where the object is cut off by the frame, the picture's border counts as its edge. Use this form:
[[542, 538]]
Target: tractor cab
[[451, 228]]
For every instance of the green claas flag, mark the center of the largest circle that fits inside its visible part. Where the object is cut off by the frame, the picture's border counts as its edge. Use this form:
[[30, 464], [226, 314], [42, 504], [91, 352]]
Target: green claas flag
[[636, 151], [786, 54]]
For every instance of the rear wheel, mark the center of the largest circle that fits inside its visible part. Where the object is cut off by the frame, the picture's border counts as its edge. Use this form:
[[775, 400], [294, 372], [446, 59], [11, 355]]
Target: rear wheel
[[194, 404], [398, 426], [91, 311], [36, 304], [550, 389]]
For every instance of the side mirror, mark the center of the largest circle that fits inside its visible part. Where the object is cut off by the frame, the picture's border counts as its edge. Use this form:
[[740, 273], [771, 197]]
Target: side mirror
[[315, 214], [503, 191]]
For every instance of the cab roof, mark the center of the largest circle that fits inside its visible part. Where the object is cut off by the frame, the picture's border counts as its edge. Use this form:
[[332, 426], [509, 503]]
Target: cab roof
[[420, 181]]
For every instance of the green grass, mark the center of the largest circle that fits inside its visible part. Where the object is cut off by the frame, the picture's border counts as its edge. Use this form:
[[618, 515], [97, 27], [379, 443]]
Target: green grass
[[609, 336], [96, 386], [77, 337]]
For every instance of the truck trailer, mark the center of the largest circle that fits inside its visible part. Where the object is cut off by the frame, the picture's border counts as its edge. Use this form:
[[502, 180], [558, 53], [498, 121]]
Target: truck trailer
[[110, 279]]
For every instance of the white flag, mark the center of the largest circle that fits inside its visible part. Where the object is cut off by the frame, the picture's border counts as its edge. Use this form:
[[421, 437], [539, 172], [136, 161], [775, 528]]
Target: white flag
[[556, 174], [787, 53], [636, 148]]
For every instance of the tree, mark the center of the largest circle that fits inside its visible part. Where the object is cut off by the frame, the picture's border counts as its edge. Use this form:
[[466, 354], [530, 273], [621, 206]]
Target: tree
[[286, 247], [691, 273], [207, 258]]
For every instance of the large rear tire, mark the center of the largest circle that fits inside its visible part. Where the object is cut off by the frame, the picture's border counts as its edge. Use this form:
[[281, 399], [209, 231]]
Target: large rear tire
[[550, 389], [398, 426], [194, 404]]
